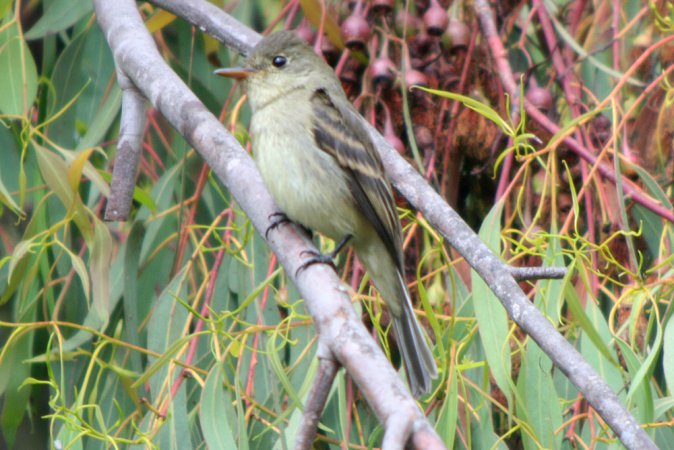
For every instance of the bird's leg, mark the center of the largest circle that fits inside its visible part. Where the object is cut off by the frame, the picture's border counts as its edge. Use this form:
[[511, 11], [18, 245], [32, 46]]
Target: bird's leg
[[323, 258], [345, 240]]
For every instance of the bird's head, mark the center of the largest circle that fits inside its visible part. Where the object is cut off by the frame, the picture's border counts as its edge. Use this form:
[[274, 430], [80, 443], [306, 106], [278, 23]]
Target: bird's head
[[280, 63]]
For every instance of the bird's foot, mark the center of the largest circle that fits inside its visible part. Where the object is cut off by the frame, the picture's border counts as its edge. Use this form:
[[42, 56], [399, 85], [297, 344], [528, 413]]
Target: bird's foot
[[315, 258], [322, 258], [277, 219]]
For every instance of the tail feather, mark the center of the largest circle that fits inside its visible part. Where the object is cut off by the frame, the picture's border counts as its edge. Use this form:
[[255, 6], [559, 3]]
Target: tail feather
[[417, 356]]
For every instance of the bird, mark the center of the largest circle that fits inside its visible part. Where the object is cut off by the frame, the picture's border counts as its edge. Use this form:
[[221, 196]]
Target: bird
[[321, 167]]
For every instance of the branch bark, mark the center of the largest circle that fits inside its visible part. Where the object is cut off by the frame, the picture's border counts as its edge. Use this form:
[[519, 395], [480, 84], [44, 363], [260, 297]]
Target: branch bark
[[316, 400], [129, 146]]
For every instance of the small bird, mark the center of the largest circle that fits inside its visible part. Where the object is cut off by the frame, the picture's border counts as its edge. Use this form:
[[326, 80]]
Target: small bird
[[319, 164]]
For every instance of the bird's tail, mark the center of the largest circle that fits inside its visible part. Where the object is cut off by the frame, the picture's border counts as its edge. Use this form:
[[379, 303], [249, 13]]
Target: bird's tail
[[387, 276], [417, 356]]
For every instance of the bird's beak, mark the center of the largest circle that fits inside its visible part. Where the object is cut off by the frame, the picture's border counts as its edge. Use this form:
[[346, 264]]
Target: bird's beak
[[238, 73]]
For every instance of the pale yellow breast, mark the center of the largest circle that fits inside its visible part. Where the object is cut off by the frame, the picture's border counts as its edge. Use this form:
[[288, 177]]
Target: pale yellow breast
[[306, 183]]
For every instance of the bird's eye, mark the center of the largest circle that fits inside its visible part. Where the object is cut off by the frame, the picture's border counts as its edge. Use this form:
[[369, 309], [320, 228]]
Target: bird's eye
[[279, 61]]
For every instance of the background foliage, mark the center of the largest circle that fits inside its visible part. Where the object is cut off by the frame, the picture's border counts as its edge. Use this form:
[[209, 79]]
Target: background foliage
[[177, 329]]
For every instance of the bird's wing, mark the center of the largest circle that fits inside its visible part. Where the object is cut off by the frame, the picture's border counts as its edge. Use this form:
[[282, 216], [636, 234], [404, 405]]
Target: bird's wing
[[339, 132]]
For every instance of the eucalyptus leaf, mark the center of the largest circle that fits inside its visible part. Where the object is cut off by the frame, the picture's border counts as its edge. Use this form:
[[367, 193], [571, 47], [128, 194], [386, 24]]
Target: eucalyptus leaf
[[18, 73], [81, 88], [58, 16], [490, 314], [215, 412], [539, 402]]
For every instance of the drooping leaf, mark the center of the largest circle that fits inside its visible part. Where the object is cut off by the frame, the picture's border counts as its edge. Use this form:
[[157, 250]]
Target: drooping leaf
[[539, 402], [668, 354], [18, 72], [59, 15], [81, 87], [215, 412], [490, 314]]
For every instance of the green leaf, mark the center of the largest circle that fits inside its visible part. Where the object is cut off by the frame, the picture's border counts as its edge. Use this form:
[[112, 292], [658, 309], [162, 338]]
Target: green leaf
[[490, 314], [22, 273], [280, 373], [7, 200], [643, 370], [649, 222], [22, 250], [131, 303], [549, 296], [59, 15], [174, 433], [241, 428], [215, 412], [99, 263], [668, 355], [295, 416], [11, 170], [482, 432], [449, 412], [481, 108], [55, 173], [69, 436], [664, 436], [573, 301], [81, 270], [5, 7], [639, 397], [18, 73], [595, 351], [98, 315], [165, 331], [13, 371], [662, 406], [83, 72], [539, 402], [103, 120]]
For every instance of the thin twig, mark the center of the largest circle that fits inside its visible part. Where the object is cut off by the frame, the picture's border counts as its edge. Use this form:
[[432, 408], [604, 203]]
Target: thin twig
[[129, 145], [537, 273], [318, 396]]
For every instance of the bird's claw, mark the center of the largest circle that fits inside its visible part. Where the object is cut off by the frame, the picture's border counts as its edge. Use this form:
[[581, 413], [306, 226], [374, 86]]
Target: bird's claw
[[321, 258], [315, 258], [277, 219]]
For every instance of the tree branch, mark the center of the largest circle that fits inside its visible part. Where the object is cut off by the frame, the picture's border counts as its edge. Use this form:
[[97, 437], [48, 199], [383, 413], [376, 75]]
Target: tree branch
[[316, 400], [129, 146]]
